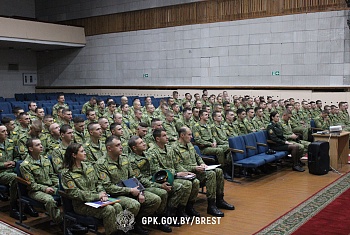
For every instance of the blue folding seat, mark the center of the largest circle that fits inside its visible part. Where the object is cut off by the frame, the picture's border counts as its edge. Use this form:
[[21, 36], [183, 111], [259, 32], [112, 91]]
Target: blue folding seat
[[76, 111], [40, 96], [10, 99], [5, 107], [262, 144], [29, 97], [239, 154], [19, 97], [48, 110], [74, 107], [252, 148], [206, 158], [10, 115], [80, 115], [22, 105]]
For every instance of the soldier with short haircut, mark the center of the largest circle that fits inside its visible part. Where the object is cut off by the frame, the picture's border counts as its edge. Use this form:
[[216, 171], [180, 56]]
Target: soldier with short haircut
[[80, 135], [230, 128], [53, 140], [67, 137], [91, 104], [93, 146], [109, 114], [60, 104], [142, 130], [214, 178], [115, 168], [31, 110], [169, 126], [35, 131]]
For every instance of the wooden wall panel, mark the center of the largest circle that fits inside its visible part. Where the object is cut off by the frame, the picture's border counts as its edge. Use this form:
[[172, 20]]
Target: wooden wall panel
[[200, 13]]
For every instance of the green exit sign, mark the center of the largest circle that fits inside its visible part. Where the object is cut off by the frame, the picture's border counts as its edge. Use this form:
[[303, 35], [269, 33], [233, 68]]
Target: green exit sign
[[145, 75], [275, 73]]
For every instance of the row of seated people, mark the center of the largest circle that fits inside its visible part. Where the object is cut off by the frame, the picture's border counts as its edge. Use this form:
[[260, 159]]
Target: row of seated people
[[85, 179], [242, 121]]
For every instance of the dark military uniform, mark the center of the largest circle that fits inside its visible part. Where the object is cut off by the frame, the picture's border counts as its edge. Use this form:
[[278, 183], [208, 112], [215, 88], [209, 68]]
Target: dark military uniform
[[112, 173], [41, 176], [81, 184]]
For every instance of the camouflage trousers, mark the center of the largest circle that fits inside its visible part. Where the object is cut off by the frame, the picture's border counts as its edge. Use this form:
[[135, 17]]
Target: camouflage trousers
[[108, 214], [8, 178], [163, 194], [49, 203], [214, 182], [303, 147], [191, 195], [179, 194], [221, 152]]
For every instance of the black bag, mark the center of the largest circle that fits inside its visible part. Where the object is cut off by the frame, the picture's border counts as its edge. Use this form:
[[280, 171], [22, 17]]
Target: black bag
[[318, 158]]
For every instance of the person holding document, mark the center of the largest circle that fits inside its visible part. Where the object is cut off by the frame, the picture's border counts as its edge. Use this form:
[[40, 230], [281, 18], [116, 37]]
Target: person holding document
[[190, 160], [80, 182]]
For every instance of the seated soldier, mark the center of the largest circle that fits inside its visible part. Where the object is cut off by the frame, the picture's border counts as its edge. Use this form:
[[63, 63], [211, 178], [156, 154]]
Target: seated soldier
[[38, 171], [80, 136], [80, 182], [203, 137], [214, 178], [275, 133], [115, 168], [163, 158], [94, 147], [323, 121], [7, 174]]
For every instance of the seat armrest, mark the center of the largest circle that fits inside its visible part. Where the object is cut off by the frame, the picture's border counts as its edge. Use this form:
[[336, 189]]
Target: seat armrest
[[250, 147], [261, 144], [22, 181], [236, 150], [271, 142]]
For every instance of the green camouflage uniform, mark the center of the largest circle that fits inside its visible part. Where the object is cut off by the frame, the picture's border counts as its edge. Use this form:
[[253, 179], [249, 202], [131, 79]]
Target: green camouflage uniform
[[80, 137], [203, 137], [170, 130], [57, 158], [22, 147], [94, 151], [56, 107], [189, 159], [7, 175], [297, 126], [41, 176], [109, 116], [259, 123], [81, 185], [142, 170], [51, 144], [221, 140], [32, 115], [344, 118], [231, 129], [149, 140], [242, 126], [18, 132], [181, 122], [105, 135], [164, 159], [335, 120], [88, 106], [112, 173], [321, 123], [288, 132]]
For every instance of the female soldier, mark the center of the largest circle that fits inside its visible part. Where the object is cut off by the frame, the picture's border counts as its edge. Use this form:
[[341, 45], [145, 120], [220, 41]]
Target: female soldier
[[80, 182], [275, 133]]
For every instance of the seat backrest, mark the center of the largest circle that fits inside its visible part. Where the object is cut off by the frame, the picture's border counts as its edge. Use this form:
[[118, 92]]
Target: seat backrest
[[261, 138], [237, 142], [250, 140], [5, 107], [197, 150], [22, 188]]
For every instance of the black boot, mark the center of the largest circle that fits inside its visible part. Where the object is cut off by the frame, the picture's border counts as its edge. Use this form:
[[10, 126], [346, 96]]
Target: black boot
[[138, 229], [222, 204], [213, 210], [227, 173], [164, 227], [181, 212], [191, 211], [14, 212], [169, 213], [78, 229], [28, 209]]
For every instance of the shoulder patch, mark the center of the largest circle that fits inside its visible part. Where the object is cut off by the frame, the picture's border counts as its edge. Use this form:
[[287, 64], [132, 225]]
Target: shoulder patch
[[70, 184], [102, 175], [26, 177], [271, 131]]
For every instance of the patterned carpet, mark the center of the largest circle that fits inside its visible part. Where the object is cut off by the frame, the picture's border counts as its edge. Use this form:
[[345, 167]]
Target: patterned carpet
[[6, 229], [292, 220]]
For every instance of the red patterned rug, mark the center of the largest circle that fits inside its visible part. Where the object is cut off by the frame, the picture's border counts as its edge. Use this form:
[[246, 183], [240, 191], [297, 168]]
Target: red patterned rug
[[325, 212]]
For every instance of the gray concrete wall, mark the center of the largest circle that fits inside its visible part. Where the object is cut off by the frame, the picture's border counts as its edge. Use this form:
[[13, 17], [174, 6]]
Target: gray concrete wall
[[23, 8], [11, 82], [52, 11], [306, 49]]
